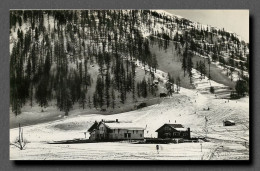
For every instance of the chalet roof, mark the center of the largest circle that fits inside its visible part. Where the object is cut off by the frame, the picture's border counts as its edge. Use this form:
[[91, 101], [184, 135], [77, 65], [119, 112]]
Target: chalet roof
[[112, 124], [174, 126], [94, 126], [231, 121], [181, 129], [124, 125]]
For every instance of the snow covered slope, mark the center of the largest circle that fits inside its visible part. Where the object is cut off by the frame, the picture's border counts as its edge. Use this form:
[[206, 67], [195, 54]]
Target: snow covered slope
[[188, 108]]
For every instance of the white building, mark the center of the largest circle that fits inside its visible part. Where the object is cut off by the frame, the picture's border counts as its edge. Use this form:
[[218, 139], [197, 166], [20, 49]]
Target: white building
[[115, 130]]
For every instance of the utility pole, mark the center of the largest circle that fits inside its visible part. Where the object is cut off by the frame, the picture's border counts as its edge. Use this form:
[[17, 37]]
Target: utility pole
[[206, 126]]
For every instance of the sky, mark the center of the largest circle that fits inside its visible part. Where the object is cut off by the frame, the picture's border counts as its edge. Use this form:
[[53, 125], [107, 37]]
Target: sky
[[236, 21]]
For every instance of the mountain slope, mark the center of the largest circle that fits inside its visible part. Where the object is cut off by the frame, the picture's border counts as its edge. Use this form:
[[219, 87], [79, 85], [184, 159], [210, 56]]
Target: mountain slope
[[187, 108], [103, 60]]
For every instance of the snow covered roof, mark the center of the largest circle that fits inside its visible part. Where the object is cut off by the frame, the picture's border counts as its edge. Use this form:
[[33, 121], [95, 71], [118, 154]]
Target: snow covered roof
[[93, 127], [181, 129], [174, 126], [114, 124], [231, 121], [123, 125]]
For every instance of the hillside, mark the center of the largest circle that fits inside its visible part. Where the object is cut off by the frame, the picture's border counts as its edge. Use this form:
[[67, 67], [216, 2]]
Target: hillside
[[187, 108], [107, 61]]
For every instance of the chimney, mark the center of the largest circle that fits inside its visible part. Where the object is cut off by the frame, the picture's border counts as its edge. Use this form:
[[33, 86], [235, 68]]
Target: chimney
[[188, 133], [116, 120]]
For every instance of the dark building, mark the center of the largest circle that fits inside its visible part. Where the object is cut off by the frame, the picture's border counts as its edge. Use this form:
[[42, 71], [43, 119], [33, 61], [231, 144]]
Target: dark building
[[228, 123], [173, 131]]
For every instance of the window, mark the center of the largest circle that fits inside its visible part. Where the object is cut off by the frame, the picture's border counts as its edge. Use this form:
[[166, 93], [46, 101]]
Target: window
[[127, 135], [141, 135], [176, 134], [167, 135]]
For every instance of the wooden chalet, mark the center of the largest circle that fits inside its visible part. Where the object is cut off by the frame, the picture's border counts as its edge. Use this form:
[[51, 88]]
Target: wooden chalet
[[173, 131]]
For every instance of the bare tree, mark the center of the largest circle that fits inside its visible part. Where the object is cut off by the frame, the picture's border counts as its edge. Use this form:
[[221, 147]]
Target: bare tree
[[20, 142]]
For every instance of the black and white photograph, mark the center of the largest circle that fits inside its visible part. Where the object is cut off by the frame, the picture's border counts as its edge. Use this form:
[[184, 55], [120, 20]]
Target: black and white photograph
[[121, 84]]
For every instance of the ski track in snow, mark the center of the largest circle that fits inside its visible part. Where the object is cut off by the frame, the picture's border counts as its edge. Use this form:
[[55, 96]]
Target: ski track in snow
[[186, 108]]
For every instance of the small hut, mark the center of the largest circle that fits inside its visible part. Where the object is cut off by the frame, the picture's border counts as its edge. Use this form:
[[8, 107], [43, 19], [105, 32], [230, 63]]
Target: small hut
[[228, 123]]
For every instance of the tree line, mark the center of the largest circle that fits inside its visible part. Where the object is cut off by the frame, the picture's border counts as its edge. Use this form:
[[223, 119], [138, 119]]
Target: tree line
[[54, 56]]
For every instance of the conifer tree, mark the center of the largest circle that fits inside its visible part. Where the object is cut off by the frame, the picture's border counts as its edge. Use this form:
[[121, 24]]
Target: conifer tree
[[184, 60]]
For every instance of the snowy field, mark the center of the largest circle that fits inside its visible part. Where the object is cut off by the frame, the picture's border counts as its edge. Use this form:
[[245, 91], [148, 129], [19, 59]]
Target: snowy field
[[115, 151], [187, 108]]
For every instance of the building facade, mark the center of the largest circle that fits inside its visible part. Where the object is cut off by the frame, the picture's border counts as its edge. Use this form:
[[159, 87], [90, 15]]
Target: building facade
[[115, 131], [173, 131]]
